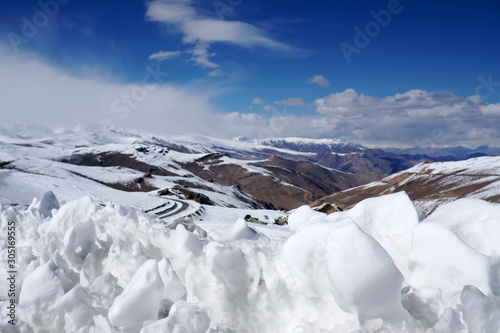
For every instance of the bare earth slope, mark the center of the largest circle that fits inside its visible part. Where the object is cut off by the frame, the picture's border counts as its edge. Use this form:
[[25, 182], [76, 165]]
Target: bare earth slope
[[431, 184], [208, 170]]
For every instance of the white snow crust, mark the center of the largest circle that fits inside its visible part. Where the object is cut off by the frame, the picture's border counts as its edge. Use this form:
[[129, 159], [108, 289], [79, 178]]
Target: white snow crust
[[84, 267]]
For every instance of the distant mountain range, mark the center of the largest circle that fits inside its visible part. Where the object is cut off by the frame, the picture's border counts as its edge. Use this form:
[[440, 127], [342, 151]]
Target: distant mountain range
[[450, 152], [349, 157], [270, 173], [430, 184], [108, 164]]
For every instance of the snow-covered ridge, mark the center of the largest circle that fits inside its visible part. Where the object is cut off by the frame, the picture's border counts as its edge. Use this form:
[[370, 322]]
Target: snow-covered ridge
[[103, 163], [378, 267], [304, 144], [475, 166], [303, 141], [430, 185]]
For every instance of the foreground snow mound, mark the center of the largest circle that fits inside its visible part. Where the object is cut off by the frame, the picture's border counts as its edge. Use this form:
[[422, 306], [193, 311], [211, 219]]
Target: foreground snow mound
[[239, 230], [87, 268], [458, 245], [389, 220], [362, 276], [302, 215], [140, 300], [46, 204]]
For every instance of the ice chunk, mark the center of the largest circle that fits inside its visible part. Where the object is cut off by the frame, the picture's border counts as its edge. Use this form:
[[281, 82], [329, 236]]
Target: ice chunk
[[69, 214], [421, 214], [475, 222], [441, 262], [226, 282], [79, 242], [104, 289], [184, 318], [139, 302], [46, 204], [304, 253], [302, 215], [449, 322], [39, 294], [481, 313], [79, 311], [454, 247], [362, 276], [235, 271], [173, 288], [239, 230], [494, 274], [389, 220], [186, 246]]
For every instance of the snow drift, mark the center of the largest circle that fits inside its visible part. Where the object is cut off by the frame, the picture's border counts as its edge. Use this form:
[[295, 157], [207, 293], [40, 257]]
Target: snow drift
[[83, 267]]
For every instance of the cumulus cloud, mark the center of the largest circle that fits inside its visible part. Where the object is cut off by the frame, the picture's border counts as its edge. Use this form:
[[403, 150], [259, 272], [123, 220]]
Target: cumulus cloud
[[318, 79], [290, 101], [416, 117], [201, 31], [164, 55], [215, 72], [33, 91], [268, 107], [258, 101]]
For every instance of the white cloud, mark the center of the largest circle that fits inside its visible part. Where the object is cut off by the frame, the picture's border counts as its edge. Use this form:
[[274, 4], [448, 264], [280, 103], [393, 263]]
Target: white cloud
[[170, 11], [268, 107], [416, 117], [290, 101], [491, 110], [318, 79], [164, 55], [258, 101], [412, 103], [200, 56], [202, 32], [215, 72], [35, 92]]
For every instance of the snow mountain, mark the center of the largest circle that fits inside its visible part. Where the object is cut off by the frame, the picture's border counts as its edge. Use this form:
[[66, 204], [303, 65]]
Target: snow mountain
[[108, 164], [431, 184], [144, 234]]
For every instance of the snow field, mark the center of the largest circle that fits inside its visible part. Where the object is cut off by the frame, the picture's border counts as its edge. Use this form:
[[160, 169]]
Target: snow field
[[375, 268]]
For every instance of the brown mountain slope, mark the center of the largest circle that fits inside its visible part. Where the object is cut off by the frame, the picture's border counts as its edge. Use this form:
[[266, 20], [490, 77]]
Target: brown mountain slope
[[276, 182], [431, 184]]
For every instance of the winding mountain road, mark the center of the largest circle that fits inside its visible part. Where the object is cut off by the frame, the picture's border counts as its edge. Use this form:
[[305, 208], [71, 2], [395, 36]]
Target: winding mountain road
[[172, 210]]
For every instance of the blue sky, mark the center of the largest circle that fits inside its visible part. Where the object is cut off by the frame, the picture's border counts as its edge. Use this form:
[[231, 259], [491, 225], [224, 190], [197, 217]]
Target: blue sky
[[374, 72]]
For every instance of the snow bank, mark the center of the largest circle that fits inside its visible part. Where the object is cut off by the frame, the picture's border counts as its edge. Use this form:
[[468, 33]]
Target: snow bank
[[240, 230], [362, 276], [302, 215], [140, 300], [457, 245], [389, 220], [87, 268]]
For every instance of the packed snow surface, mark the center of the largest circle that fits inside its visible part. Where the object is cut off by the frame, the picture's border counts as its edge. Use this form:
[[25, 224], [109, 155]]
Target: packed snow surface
[[84, 267]]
